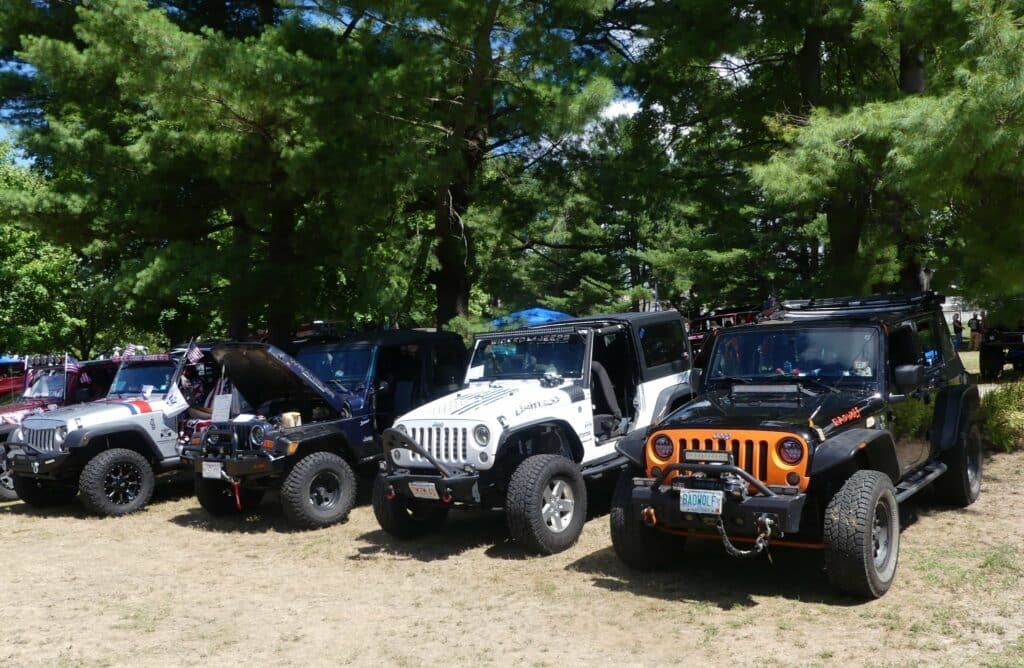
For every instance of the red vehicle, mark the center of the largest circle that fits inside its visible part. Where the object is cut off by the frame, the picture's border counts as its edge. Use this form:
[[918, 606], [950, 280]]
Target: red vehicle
[[52, 381], [12, 378], [701, 327]]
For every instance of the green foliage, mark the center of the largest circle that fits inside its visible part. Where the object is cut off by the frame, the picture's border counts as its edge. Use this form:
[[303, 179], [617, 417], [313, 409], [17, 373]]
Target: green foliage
[[1001, 416]]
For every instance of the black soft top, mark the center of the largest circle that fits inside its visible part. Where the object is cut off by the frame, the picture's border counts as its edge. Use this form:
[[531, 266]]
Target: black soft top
[[634, 319], [388, 337]]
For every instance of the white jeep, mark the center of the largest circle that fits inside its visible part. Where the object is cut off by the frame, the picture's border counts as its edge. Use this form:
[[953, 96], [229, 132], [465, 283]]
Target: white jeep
[[110, 451], [539, 416]]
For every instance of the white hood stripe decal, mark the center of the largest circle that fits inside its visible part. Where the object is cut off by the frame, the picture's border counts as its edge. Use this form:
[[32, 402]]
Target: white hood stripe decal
[[483, 400]]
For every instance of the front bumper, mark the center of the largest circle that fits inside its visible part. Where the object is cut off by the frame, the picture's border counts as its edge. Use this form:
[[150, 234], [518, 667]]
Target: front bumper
[[460, 485], [238, 466], [27, 462], [652, 500]]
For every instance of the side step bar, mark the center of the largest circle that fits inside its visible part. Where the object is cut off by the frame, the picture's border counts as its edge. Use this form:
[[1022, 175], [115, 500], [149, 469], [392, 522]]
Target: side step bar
[[598, 468], [919, 481]]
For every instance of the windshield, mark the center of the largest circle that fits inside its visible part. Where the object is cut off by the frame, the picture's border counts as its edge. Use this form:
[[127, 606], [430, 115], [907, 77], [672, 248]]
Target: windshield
[[528, 356], [137, 379], [46, 383], [828, 353], [345, 367]]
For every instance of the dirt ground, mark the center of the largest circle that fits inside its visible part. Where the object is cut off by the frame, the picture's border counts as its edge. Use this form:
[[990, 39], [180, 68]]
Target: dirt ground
[[170, 586]]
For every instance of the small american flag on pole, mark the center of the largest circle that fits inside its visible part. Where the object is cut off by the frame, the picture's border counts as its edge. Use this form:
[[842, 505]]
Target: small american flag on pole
[[70, 364], [194, 354], [129, 349], [84, 378]]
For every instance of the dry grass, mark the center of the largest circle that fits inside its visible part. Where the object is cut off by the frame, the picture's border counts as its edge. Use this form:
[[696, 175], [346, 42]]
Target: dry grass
[[170, 586]]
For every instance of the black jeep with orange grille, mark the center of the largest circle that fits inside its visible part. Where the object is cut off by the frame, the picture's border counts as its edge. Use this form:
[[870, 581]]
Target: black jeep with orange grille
[[809, 430]]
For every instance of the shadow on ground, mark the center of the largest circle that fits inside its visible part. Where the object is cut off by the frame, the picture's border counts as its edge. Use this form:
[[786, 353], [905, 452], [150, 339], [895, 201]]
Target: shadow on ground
[[173, 489], [464, 530]]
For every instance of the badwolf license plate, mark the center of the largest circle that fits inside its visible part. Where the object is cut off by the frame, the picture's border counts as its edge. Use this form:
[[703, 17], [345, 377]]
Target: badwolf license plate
[[701, 501], [212, 470]]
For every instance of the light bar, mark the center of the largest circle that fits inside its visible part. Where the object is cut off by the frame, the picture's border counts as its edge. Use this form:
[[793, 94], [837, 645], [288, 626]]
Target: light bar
[[709, 456]]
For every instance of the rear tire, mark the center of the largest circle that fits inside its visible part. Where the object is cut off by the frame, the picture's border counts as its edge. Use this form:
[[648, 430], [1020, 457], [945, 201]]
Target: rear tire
[[639, 546], [960, 485], [216, 497], [319, 491], [546, 504], [116, 482], [406, 518], [41, 494], [862, 535], [990, 362]]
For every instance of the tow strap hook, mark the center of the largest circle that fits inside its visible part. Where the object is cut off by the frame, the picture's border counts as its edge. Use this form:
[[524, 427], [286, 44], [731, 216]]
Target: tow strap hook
[[236, 488], [648, 516], [764, 533]]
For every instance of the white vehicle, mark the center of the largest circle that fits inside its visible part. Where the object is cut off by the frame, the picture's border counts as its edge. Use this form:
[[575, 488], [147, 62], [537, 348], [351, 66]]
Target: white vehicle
[[110, 450], [538, 417]]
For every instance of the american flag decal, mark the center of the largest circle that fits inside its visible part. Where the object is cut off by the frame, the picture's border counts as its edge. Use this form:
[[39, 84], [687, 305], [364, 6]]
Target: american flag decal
[[194, 354]]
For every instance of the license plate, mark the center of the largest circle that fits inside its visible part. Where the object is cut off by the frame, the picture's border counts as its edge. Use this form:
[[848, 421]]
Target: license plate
[[212, 470], [701, 501], [423, 490]]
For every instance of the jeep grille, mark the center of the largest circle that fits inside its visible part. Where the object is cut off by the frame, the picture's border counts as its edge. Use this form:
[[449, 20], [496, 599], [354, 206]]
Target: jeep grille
[[40, 439], [445, 444], [751, 450]]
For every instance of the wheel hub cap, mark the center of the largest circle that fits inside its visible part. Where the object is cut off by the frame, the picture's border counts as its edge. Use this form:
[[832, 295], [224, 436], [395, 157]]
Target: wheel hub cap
[[559, 503], [6, 479], [881, 535], [122, 484], [325, 490]]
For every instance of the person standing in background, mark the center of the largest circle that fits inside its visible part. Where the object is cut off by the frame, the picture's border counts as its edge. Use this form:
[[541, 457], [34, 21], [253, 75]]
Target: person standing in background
[[974, 324], [958, 332]]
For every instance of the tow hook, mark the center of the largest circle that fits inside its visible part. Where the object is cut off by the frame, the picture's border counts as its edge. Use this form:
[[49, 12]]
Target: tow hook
[[648, 516], [389, 493], [764, 533], [446, 497], [236, 488]]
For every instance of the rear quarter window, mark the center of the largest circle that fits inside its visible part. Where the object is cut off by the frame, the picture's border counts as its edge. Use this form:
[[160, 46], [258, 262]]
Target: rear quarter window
[[663, 343]]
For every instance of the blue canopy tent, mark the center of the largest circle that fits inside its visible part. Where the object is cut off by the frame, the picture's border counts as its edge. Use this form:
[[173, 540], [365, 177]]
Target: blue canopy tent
[[530, 316]]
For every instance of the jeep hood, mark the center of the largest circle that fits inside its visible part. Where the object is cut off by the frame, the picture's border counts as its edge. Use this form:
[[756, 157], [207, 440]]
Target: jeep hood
[[263, 373], [515, 400], [14, 412], [96, 412], [728, 409]]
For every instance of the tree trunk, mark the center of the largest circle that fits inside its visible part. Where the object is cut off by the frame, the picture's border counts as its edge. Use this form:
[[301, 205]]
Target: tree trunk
[[846, 275], [912, 81], [237, 304], [809, 68], [466, 151], [911, 69], [283, 277]]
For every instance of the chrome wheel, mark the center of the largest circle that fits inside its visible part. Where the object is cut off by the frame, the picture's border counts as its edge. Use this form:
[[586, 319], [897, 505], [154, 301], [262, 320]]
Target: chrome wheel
[[6, 477], [122, 483], [325, 490], [559, 504], [882, 533]]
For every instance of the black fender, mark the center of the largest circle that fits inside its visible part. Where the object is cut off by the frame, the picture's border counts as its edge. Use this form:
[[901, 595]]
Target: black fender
[[667, 397], [875, 445], [84, 440], [955, 407], [327, 437], [575, 445], [631, 446]]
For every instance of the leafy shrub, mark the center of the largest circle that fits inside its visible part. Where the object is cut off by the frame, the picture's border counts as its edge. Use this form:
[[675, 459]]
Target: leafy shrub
[[1001, 416]]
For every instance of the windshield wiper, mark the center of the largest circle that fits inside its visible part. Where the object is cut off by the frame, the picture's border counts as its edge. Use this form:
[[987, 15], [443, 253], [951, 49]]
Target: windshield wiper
[[732, 379], [819, 383], [334, 381]]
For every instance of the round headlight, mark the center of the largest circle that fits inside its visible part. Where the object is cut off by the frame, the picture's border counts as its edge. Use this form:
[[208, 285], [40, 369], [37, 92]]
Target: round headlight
[[402, 428], [790, 450], [663, 447], [396, 455], [256, 436], [59, 434], [18, 436], [212, 438], [482, 434]]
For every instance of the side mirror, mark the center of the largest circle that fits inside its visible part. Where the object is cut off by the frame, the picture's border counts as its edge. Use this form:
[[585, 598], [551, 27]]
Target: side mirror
[[908, 377], [383, 386]]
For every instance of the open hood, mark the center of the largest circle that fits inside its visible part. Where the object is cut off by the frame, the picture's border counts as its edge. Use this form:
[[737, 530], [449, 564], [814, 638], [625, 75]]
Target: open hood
[[262, 373]]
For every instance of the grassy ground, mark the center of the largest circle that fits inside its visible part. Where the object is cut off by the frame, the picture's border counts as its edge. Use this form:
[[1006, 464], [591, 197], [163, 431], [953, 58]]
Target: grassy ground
[[171, 586]]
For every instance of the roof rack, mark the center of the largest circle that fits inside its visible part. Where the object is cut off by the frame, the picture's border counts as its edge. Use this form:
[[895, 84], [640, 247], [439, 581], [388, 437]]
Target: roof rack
[[892, 303]]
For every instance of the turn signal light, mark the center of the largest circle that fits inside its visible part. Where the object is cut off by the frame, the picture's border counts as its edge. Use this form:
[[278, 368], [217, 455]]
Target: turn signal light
[[292, 447], [268, 444]]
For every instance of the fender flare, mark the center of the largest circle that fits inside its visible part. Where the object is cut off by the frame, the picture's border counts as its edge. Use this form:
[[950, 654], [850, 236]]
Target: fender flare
[[955, 407], [631, 446], [668, 396], [876, 445], [575, 445], [76, 438]]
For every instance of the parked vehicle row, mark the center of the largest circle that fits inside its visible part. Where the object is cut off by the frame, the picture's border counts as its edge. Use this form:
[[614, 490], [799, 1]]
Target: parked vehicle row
[[806, 430]]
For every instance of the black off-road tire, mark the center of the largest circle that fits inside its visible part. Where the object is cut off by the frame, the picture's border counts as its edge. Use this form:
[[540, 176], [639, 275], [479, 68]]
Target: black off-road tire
[[216, 497], [42, 494], [860, 555], [638, 546], [406, 518], [960, 485], [116, 482], [319, 491], [7, 492], [533, 518]]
